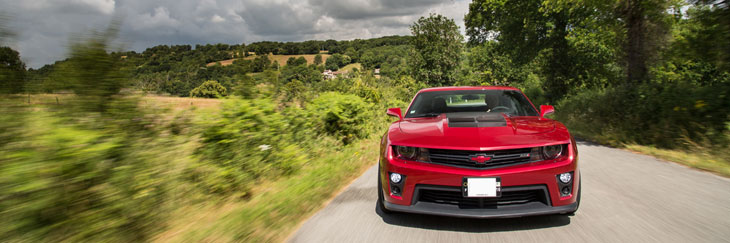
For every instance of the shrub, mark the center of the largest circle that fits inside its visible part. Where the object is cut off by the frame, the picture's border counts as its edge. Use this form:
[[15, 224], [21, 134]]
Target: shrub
[[249, 140], [651, 115], [209, 89], [80, 182], [294, 90], [344, 116], [244, 86]]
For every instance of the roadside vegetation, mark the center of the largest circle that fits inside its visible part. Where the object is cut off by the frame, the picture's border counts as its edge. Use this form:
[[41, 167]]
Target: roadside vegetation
[[162, 146], [647, 75], [88, 156]]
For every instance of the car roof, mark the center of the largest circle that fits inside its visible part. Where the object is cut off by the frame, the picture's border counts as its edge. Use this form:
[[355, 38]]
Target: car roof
[[468, 88]]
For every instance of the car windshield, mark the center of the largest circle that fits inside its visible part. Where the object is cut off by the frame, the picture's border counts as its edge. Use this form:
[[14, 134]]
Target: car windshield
[[433, 103]]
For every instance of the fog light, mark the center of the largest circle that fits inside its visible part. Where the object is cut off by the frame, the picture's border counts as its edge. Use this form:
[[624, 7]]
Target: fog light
[[565, 191], [395, 190], [564, 178], [395, 178]]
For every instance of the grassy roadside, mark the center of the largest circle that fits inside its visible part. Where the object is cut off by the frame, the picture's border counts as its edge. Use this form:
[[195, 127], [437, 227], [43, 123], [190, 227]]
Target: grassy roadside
[[698, 158], [279, 206]]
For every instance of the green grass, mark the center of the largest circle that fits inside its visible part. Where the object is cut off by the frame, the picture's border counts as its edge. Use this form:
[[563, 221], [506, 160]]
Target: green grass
[[696, 159], [278, 207], [348, 68]]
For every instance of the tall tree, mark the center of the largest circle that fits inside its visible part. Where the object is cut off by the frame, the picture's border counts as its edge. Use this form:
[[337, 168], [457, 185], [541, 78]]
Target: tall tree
[[437, 45], [12, 71], [260, 62], [525, 29], [646, 25], [711, 36], [318, 59]]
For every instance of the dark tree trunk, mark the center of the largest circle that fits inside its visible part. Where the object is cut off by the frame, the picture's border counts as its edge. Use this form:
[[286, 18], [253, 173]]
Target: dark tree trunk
[[636, 48], [558, 71]]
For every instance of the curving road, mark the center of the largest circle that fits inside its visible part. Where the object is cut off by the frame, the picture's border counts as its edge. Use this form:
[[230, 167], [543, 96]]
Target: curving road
[[627, 197]]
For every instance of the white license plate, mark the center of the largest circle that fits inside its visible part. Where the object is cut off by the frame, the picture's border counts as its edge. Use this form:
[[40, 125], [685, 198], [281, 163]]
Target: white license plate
[[482, 187]]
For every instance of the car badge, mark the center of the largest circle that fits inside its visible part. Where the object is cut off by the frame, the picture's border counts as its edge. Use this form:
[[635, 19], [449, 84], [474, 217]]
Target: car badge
[[480, 158]]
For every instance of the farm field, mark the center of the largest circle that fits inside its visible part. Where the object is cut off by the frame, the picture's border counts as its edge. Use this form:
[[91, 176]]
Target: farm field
[[279, 58], [180, 103], [148, 101]]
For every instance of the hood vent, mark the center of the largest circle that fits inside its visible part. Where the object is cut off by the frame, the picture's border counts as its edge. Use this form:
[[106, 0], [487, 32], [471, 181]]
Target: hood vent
[[479, 119]]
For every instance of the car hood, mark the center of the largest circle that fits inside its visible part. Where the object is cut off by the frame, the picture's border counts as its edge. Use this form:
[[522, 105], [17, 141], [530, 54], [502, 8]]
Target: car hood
[[477, 132]]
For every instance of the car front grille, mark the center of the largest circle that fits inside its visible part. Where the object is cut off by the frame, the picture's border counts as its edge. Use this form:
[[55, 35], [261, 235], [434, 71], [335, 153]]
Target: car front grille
[[463, 158], [510, 197]]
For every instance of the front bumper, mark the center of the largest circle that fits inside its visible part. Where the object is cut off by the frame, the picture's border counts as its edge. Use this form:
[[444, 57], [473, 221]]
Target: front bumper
[[493, 210], [539, 177]]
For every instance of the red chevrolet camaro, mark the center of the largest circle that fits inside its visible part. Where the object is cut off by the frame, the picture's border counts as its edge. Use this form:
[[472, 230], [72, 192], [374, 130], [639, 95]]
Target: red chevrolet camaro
[[482, 152]]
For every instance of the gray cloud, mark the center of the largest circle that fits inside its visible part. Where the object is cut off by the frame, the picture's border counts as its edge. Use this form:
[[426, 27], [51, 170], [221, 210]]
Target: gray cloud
[[44, 28], [355, 9]]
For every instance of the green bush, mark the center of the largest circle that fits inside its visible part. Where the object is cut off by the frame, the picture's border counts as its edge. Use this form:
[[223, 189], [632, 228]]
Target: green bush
[[90, 170], [344, 116], [664, 116], [249, 140], [79, 183], [209, 89]]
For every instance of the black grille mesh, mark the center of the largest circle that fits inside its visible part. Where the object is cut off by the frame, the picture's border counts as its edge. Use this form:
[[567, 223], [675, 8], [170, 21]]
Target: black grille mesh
[[508, 198], [462, 158]]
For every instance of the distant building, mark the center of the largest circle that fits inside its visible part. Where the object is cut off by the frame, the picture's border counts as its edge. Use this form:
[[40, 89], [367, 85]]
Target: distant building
[[329, 74]]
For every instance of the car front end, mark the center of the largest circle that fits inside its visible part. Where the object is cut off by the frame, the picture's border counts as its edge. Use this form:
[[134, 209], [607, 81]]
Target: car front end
[[479, 165]]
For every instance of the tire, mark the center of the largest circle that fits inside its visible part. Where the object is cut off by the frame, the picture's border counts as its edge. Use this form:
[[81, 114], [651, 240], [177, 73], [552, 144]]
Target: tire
[[381, 199]]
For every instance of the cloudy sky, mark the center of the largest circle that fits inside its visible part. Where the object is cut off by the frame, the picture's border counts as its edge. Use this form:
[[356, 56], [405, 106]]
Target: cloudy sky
[[44, 28]]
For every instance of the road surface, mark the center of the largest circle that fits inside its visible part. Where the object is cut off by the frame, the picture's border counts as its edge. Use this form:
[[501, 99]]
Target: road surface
[[627, 197]]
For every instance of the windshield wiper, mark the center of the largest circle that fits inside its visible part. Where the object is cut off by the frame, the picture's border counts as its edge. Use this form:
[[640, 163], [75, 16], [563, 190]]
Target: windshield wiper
[[431, 114]]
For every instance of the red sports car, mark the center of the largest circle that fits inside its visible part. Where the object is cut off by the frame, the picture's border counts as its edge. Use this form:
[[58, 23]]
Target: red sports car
[[482, 152]]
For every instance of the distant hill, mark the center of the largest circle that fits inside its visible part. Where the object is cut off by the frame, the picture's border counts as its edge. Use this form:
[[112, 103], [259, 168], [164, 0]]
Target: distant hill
[[177, 69]]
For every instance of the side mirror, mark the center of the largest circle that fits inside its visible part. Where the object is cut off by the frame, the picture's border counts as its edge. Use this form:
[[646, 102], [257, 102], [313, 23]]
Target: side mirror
[[545, 110], [396, 113]]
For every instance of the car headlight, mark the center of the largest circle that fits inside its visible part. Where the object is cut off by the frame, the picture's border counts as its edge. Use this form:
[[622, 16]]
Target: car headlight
[[553, 151], [411, 153], [547, 152]]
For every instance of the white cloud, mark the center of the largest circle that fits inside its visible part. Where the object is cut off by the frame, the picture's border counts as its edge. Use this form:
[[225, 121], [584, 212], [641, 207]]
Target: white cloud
[[217, 19], [159, 17]]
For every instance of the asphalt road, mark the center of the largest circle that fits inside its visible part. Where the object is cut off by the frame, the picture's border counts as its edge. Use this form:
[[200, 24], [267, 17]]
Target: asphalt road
[[627, 197]]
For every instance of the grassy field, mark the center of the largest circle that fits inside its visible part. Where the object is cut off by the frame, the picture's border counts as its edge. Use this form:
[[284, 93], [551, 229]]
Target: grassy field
[[179, 103], [279, 58], [348, 68], [148, 101]]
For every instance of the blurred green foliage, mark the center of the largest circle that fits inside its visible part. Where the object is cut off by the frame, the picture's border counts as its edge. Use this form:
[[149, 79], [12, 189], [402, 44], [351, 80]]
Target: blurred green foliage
[[249, 140], [86, 171], [344, 116], [664, 116], [209, 89]]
